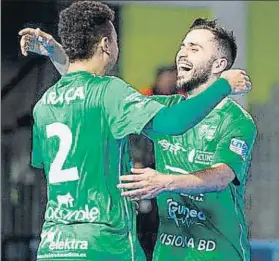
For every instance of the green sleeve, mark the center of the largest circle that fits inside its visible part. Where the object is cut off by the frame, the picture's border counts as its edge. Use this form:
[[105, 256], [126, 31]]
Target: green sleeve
[[168, 100], [235, 147], [126, 110], [179, 118], [36, 158]]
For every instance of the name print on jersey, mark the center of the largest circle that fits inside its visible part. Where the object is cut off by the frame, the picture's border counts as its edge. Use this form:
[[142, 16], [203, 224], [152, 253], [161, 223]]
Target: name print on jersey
[[65, 214], [67, 97]]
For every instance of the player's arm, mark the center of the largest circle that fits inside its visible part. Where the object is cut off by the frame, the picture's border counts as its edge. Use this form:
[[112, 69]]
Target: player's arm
[[37, 41], [129, 112], [172, 120], [231, 163]]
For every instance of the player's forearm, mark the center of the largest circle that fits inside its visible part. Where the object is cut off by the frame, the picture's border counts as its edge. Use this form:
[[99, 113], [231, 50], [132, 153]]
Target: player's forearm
[[62, 68], [213, 179], [59, 58], [178, 118]]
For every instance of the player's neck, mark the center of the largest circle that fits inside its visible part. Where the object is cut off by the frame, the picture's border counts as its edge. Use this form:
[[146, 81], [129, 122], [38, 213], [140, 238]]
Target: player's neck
[[92, 66], [202, 87]]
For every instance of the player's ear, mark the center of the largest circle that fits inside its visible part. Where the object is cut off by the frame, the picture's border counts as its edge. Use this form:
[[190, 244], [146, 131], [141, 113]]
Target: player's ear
[[219, 65], [104, 44]]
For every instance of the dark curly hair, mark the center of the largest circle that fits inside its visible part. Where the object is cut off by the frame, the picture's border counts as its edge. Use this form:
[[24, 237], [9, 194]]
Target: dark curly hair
[[81, 27], [225, 38]]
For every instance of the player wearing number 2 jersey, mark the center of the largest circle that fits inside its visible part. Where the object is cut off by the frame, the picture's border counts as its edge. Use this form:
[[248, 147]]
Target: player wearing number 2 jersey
[[79, 135], [77, 124]]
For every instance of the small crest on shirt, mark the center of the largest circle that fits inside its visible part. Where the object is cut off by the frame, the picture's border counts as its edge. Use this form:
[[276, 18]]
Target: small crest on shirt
[[207, 131], [211, 133], [239, 147]]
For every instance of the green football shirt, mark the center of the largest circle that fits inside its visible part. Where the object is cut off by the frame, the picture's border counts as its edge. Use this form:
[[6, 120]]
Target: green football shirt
[[78, 138], [211, 226]]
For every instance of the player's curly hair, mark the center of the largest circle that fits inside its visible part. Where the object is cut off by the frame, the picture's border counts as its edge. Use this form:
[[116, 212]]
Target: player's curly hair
[[81, 27], [225, 38]]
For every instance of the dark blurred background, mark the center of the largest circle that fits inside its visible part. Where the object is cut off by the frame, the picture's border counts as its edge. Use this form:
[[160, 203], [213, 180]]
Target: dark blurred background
[[149, 35]]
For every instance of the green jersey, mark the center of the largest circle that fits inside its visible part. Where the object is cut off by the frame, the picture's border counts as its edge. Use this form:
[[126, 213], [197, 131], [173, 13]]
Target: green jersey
[[211, 226], [78, 134]]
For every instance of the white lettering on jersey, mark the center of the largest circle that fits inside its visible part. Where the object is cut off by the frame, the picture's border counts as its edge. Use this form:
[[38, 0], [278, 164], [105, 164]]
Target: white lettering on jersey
[[239, 147], [173, 148], [67, 97]]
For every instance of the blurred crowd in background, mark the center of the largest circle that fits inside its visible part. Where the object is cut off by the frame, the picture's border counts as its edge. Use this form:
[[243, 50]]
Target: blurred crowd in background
[[146, 60]]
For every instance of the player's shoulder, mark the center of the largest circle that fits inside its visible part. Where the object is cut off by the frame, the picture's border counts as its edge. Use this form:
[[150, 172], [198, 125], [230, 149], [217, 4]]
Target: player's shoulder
[[168, 100], [238, 114], [116, 81], [97, 80]]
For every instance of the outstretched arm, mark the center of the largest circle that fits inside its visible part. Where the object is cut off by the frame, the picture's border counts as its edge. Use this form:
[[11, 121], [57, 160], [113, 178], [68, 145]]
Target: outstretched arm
[[173, 120], [37, 41], [180, 117]]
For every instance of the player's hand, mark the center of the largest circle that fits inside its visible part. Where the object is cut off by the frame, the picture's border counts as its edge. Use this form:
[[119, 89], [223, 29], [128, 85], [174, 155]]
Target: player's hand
[[143, 184], [37, 41], [238, 80]]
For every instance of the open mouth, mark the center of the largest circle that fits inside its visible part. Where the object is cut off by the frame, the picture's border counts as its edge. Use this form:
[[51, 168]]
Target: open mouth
[[185, 67]]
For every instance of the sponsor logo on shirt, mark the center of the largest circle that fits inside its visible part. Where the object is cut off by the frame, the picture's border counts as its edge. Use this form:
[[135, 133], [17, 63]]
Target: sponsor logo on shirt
[[187, 242], [58, 241], [57, 244], [63, 211], [183, 215], [173, 148], [201, 157], [66, 200], [207, 131], [239, 147]]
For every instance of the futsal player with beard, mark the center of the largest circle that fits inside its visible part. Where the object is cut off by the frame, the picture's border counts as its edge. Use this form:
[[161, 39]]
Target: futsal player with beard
[[200, 176]]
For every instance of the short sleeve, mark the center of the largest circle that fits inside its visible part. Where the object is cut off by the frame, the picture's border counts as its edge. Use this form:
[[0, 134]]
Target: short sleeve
[[235, 147], [126, 110], [36, 157]]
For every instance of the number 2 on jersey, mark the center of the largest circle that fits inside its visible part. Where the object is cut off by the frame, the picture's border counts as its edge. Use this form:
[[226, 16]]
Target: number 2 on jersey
[[56, 173]]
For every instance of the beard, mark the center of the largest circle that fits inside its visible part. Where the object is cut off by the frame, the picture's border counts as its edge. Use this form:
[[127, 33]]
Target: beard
[[200, 75]]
